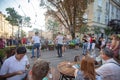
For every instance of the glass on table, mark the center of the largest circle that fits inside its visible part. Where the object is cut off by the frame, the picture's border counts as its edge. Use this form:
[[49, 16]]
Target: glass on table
[[50, 74]]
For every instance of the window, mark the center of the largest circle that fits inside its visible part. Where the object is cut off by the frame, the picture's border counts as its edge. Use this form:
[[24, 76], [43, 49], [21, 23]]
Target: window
[[2, 25], [98, 16], [107, 6], [112, 9], [118, 14], [106, 19]]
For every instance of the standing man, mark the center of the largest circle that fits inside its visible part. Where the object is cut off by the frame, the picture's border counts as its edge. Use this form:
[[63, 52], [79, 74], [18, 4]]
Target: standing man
[[36, 44], [59, 40], [14, 68]]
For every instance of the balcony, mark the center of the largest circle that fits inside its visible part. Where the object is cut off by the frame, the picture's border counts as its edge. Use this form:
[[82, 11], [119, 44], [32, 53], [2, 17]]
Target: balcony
[[115, 25], [117, 2]]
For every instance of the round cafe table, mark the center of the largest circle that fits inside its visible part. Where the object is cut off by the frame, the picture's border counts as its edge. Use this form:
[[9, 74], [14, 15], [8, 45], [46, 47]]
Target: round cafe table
[[66, 70]]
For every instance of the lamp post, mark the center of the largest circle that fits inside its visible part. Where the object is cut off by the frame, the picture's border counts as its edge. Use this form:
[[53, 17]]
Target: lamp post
[[19, 22]]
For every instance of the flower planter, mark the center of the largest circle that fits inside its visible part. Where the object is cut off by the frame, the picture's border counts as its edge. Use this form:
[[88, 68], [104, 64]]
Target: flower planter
[[71, 46], [51, 47]]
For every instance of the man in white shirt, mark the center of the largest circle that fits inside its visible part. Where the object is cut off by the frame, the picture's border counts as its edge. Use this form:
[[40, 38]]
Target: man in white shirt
[[14, 68], [59, 40], [36, 44], [110, 70]]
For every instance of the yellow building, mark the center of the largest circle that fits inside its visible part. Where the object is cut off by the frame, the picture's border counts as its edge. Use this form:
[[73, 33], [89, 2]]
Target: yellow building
[[6, 27]]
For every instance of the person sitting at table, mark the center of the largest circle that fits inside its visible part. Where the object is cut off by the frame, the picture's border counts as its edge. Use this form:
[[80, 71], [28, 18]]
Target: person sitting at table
[[110, 70], [87, 70], [77, 58], [39, 70], [14, 67]]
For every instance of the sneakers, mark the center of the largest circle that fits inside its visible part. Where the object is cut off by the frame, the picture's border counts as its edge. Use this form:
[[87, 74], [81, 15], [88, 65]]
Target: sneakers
[[32, 56], [59, 56]]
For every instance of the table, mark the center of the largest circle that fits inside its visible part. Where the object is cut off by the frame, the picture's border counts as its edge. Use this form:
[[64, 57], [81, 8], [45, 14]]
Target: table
[[66, 70]]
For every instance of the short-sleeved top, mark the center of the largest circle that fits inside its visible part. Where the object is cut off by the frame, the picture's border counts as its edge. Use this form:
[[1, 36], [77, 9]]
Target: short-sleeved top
[[77, 40], [109, 70], [59, 39], [36, 39], [81, 77], [12, 65]]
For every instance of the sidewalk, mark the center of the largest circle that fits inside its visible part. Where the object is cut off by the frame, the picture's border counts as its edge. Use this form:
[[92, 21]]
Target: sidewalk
[[51, 56]]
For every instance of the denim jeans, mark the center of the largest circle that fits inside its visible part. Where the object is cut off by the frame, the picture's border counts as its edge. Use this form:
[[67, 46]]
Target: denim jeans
[[36, 45], [89, 46], [85, 44], [59, 50]]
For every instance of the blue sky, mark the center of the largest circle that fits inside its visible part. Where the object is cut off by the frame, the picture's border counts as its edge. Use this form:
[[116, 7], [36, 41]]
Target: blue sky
[[25, 8]]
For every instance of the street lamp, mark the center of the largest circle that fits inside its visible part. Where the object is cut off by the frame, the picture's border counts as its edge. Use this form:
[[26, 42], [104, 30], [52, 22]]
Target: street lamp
[[19, 22]]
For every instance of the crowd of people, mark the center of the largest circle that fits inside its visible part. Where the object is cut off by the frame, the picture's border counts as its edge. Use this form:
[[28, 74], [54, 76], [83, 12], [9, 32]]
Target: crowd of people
[[12, 41], [16, 66]]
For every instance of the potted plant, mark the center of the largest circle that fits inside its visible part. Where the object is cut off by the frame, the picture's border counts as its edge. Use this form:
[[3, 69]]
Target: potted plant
[[51, 47], [71, 45]]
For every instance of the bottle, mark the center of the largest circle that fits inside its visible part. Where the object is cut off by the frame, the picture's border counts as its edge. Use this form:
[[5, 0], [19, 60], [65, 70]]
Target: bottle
[[50, 75]]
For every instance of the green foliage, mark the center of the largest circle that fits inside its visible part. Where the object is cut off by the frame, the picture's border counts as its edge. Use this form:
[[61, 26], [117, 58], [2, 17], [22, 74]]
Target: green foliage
[[107, 31], [13, 17], [3, 51], [26, 22], [72, 43], [23, 33], [16, 20], [43, 47], [96, 30], [68, 12], [119, 35], [83, 29], [29, 47], [52, 25]]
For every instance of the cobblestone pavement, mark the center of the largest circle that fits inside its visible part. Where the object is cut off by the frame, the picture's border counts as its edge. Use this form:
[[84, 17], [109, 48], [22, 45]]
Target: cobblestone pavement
[[51, 56]]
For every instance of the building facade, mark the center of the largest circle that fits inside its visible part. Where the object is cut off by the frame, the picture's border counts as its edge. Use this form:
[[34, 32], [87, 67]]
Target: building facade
[[102, 11], [6, 27]]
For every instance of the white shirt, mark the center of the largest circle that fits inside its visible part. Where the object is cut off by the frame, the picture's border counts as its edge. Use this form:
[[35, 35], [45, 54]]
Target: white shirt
[[36, 39], [59, 39], [77, 40], [12, 65], [103, 42], [109, 71]]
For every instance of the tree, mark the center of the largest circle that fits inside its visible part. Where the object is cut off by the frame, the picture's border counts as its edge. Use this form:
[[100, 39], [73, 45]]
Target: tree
[[52, 26], [23, 33], [83, 29], [26, 21], [35, 30], [68, 12], [13, 17], [107, 31], [16, 20], [96, 30]]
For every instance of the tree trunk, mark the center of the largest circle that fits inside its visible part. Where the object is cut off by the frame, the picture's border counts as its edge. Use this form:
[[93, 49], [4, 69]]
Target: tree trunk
[[72, 32], [73, 35], [12, 30]]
